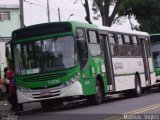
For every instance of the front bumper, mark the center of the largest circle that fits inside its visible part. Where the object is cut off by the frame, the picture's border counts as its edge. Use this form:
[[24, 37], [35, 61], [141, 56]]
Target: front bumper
[[51, 93]]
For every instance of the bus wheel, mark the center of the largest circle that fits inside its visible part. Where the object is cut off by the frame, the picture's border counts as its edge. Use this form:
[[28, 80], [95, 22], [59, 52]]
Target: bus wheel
[[137, 91], [97, 97], [47, 105]]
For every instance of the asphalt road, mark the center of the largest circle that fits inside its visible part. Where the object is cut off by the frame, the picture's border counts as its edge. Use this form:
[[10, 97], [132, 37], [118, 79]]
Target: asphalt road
[[115, 108]]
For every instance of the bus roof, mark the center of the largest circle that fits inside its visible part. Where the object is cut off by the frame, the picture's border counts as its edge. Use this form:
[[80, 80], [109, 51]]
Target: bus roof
[[154, 34], [124, 31], [49, 28], [92, 26], [82, 24], [75, 25]]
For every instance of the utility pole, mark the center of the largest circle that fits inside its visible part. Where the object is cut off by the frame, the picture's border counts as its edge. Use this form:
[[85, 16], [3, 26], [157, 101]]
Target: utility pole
[[59, 14], [48, 12], [21, 13]]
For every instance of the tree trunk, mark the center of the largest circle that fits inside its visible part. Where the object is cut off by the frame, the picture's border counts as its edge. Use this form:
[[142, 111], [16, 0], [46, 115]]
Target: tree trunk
[[104, 11], [116, 8], [105, 16], [86, 6]]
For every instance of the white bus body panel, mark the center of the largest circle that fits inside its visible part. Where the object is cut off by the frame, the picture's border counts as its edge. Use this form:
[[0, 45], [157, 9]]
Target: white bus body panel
[[153, 76], [125, 69], [72, 90]]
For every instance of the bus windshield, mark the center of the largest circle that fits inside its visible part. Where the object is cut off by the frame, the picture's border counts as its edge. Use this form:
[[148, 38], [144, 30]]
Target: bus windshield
[[156, 54], [44, 55]]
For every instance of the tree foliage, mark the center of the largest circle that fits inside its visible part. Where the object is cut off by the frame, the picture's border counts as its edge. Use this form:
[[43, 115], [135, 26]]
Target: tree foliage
[[101, 8], [146, 13]]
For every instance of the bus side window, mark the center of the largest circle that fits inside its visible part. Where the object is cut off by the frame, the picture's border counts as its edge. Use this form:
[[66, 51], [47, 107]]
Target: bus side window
[[112, 39], [94, 44], [127, 40], [148, 47], [80, 34], [82, 47], [113, 44], [93, 37], [121, 47], [135, 40], [129, 51], [136, 46]]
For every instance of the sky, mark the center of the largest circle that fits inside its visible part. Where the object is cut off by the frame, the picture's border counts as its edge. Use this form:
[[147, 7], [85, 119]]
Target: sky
[[35, 12]]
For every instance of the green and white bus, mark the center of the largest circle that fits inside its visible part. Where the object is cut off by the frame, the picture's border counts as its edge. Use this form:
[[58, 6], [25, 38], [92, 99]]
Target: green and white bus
[[155, 48], [72, 60]]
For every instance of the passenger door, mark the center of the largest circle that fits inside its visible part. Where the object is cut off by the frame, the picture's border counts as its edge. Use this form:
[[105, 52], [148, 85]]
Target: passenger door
[[107, 60], [144, 46]]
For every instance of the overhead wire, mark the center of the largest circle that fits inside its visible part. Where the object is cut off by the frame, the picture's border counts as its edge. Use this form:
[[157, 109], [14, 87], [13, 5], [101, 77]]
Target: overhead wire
[[51, 9]]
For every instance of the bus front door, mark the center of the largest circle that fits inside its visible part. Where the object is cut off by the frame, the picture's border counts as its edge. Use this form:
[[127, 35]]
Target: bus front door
[[107, 61]]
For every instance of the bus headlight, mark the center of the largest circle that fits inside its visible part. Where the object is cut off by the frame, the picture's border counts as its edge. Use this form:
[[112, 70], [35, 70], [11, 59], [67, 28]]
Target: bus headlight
[[23, 89], [72, 80]]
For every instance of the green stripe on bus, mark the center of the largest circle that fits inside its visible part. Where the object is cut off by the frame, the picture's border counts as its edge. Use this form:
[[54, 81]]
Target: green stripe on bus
[[128, 74]]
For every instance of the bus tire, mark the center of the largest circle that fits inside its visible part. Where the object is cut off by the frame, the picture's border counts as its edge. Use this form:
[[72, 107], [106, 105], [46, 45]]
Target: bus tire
[[138, 90], [47, 105], [96, 99]]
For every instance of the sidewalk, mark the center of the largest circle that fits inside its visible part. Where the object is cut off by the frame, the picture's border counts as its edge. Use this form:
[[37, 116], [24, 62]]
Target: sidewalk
[[5, 113], [4, 105]]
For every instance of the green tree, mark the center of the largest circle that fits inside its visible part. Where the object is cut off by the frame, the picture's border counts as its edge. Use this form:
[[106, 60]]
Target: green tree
[[101, 8], [146, 12]]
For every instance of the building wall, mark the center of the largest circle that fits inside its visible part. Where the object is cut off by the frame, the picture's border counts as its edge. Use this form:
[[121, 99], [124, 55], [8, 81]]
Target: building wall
[[7, 26], [3, 61]]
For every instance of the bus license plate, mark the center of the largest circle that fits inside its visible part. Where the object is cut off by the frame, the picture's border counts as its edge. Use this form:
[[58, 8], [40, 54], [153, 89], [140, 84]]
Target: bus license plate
[[44, 94]]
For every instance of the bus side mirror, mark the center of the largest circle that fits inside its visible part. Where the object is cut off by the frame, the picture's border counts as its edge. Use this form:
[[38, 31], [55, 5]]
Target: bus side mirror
[[7, 52]]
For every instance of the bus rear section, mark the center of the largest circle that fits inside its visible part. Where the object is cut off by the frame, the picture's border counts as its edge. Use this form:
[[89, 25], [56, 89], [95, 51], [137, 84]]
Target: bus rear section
[[128, 62], [155, 48]]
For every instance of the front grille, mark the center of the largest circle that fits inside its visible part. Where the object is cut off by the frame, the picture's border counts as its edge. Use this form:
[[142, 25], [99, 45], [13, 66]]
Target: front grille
[[43, 77], [52, 94], [37, 88]]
